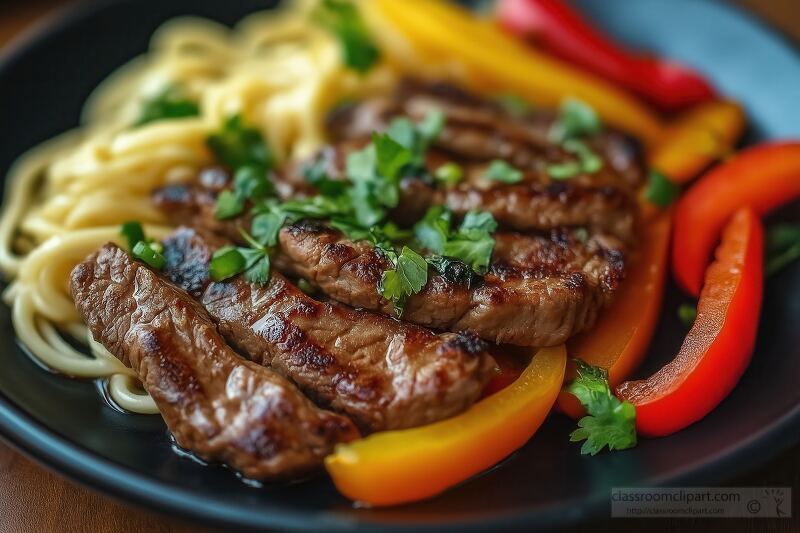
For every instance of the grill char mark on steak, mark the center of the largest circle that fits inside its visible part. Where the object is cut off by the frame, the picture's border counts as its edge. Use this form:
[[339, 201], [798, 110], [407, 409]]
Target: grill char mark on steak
[[215, 403], [538, 299], [383, 373]]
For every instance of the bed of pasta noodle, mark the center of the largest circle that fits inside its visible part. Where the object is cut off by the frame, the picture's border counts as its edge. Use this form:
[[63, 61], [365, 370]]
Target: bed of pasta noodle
[[67, 197]]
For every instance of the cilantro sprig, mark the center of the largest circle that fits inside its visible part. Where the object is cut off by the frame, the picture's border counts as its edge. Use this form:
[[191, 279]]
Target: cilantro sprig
[[241, 148], [408, 277], [342, 19], [610, 422], [472, 243], [499, 170], [170, 103], [660, 190], [142, 248], [576, 120]]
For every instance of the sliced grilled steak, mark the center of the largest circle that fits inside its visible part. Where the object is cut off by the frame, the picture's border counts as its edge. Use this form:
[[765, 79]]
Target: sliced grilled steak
[[539, 290], [537, 293], [215, 403], [383, 373], [478, 132]]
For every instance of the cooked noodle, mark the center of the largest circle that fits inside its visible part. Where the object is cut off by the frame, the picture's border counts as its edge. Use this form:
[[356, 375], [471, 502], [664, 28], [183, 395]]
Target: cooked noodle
[[67, 197]]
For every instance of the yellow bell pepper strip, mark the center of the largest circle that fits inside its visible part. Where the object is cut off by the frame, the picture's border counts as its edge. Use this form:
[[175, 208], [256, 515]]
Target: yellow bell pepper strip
[[396, 467], [494, 62], [621, 337], [697, 138]]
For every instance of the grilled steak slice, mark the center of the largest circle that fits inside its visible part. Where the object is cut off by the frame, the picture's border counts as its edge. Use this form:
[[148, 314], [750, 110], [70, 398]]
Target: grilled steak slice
[[383, 373], [478, 132], [537, 293], [539, 290], [216, 404]]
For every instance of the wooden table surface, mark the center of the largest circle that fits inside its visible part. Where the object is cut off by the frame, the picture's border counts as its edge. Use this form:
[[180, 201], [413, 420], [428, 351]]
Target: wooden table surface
[[33, 499]]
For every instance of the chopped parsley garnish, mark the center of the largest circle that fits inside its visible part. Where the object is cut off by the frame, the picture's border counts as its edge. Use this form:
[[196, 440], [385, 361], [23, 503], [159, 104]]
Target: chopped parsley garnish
[[575, 119], [342, 19], [253, 262], [449, 174], [408, 277], [659, 190], [141, 247], [242, 149], [687, 313], [170, 103], [452, 270], [609, 422], [513, 104], [237, 145], [782, 247], [588, 162], [499, 170], [472, 243]]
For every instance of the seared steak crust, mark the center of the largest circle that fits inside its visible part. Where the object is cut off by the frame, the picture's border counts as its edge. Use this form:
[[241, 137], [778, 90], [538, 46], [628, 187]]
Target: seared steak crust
[[537, 293], [477, 132], [383, 373], [216, 404]]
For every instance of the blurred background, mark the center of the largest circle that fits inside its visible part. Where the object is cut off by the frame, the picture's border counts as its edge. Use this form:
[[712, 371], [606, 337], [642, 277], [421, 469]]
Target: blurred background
[[15, 14]]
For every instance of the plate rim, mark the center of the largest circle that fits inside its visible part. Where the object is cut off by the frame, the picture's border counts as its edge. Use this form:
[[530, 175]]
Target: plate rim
[[66, 458]]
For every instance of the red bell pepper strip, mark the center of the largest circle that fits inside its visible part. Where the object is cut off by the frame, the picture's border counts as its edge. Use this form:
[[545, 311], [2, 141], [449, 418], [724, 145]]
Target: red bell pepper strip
[[718, 348], [557, 28], [762, 177]]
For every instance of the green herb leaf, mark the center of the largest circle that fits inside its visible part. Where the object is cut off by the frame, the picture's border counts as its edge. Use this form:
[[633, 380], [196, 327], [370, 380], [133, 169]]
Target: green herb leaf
[[472, 243], [687, 313], [168, 104], [259, 272], [133, 233], [564, 171], [147, 254], [343, 20], [266, 226], [237, 145], [228, 205], [590, 161], [449, 174], [431, 127], [226, 263], [408, 277], [609, 422], [576, 119], [782, 247], [390, 156], [501, 171], [433, 230], [659, 190], [251, 183], [317, 175], [513, 104]]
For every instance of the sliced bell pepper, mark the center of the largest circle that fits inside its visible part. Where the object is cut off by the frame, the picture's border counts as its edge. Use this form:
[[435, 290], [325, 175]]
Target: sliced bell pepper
[[493, 62], [407, 465], [697, 138], [621, 337], [560, 30], [719, 346], [762, 177]]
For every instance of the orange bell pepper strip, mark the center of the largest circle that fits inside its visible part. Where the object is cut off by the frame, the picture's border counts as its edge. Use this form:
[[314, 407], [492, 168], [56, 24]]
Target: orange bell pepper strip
[[620, 339], [492, 61], [763, 177], [719, 346], [697, 138], [407, 465]]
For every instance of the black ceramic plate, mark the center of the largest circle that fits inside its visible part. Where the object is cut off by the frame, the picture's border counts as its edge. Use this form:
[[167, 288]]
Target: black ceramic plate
[[65, 425]]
